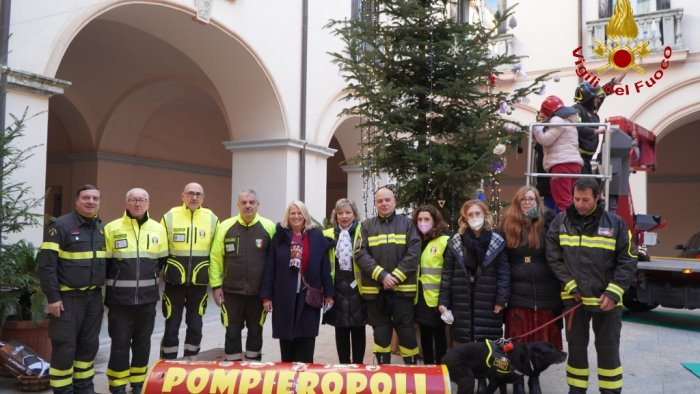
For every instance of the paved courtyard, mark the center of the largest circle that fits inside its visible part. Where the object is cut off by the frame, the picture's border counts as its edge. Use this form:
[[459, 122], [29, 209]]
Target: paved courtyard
[[653, 346]]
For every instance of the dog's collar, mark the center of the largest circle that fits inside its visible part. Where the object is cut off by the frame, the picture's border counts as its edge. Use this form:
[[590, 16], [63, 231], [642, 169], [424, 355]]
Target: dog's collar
[[498, 360]]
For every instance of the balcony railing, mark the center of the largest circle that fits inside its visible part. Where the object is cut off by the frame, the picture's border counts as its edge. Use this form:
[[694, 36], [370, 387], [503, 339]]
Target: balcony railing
[[662, 28]]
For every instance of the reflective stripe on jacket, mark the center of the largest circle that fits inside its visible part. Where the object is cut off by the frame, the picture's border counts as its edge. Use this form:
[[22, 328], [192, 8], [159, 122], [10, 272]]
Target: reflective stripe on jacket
[[591, 255], [133, 254], [72, 256], [388, 245], [238, 254], [190, 235], [430, 269]]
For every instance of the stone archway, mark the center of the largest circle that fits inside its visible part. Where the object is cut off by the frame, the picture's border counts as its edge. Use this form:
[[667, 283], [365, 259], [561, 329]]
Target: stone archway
[[154, 96], [672, 190]]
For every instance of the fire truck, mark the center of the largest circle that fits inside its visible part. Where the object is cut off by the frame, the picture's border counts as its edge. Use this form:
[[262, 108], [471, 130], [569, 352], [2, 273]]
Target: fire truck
[[672, 282]]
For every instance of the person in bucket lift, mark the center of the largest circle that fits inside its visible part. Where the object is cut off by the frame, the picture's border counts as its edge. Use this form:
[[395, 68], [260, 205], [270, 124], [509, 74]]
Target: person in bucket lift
[[560, 144]]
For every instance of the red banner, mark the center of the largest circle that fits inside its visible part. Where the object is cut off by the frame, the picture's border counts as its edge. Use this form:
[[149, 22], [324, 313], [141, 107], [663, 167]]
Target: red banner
[[230, 377]]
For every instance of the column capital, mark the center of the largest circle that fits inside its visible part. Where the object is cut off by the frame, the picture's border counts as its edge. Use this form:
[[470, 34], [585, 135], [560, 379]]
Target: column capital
[[278, 143], [34, 83], [352, 169]]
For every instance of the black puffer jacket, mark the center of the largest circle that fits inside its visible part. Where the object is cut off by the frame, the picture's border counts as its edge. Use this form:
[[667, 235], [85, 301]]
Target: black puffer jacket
[[472, 293], [532, 284], [348, 308]]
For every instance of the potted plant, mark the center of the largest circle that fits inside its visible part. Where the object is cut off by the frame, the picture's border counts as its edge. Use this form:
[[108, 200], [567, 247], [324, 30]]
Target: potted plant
[[20, 293], [22, 303]]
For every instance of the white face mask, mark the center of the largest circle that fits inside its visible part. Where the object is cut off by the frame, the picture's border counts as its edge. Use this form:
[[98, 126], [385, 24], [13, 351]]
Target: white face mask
[[476, 223]]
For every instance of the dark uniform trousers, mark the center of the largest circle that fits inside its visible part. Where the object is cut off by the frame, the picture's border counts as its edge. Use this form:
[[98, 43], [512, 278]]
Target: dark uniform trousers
[[387, 312], [130, 327], [175, 299], [240, 311], [606, 327], [75, 337]]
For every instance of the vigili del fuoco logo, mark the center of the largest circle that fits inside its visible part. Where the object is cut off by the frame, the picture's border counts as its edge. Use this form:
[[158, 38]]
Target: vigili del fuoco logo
[[623, 54]]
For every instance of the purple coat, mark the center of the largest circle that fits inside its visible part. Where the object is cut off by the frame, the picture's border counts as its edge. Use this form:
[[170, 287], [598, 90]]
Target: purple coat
[[291, 317]]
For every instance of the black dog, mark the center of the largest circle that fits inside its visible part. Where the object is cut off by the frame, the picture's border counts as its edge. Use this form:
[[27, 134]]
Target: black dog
[[488, 360]]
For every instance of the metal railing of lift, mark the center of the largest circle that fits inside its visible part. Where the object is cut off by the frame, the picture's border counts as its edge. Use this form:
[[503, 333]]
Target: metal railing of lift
[[605, 168]]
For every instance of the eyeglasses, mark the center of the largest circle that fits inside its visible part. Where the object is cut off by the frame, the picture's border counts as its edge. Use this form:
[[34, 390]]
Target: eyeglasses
[[528, 200], [195, 194], [136, 201]]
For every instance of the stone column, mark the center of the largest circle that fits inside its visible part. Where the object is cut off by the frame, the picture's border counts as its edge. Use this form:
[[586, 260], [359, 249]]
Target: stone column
[[271, 168], [29, 93]]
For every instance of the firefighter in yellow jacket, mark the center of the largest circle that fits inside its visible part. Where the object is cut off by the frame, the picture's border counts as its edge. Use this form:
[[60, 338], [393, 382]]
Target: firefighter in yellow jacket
[[190, 229], [238, 256], [136, 249]]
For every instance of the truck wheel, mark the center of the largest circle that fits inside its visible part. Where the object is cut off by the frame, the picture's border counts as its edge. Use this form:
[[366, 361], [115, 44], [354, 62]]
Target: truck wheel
[[629, 300]]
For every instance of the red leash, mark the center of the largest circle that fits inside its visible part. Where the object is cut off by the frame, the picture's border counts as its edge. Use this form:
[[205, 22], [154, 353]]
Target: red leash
[[569, 311]]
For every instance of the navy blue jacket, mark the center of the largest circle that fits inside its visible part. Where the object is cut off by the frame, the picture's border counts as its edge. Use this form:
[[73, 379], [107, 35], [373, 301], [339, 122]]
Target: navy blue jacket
[[291, 317]]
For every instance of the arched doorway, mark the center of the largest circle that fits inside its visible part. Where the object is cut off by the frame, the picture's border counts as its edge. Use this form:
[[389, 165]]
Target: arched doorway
[[154, 96]]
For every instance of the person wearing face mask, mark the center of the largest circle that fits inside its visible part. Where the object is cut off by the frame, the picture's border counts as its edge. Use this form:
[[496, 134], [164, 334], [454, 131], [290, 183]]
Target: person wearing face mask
[[348, 314], [534, 290], [432, 228], [475, 283]]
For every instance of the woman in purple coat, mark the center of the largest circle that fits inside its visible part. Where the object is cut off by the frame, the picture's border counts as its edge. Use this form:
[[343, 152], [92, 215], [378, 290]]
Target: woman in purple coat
[[298, 255]]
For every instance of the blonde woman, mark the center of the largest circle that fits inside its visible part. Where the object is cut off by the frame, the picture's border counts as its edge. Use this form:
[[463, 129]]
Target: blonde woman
[[298, 258]]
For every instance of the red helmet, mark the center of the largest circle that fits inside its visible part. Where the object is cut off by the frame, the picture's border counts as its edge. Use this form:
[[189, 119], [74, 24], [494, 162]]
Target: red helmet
[[550, 105]]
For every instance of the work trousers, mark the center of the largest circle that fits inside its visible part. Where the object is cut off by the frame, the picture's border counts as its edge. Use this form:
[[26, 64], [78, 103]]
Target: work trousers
[[239, 311], [606, 327], [387, 312], [347, 339], [298, 350], [75, 338], [193, 299], [130, 327]]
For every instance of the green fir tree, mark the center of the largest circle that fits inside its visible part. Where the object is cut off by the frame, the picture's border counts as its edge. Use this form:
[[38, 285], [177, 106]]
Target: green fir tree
[[423, 87]]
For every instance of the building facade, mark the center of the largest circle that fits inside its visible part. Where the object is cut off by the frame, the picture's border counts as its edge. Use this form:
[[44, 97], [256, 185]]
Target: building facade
[[242, 93]]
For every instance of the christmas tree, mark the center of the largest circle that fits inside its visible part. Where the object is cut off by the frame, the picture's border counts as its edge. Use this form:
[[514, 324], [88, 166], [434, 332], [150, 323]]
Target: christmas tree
[[425, 88]]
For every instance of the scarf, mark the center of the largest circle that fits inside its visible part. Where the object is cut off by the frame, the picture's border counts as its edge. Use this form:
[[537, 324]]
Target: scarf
[[296, 250], [476, 247], [343, 250]]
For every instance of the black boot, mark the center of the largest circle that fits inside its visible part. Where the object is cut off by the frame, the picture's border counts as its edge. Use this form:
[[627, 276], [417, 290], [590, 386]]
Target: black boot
[[136, 388], [383, 358], [533, 385], [481, 386], [519, 386], [410, 360]]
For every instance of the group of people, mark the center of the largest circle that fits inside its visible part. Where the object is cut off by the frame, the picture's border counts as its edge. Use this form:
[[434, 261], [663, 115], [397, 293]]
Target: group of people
[[390, 271], [251, 265], [523, 274]]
